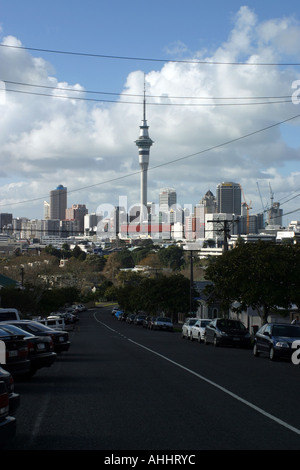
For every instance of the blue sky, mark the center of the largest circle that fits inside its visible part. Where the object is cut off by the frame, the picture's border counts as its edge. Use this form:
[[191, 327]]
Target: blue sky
[[42, 138]]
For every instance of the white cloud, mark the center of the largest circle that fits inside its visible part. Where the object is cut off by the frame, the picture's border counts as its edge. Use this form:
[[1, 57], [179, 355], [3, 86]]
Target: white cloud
[[48, 141]]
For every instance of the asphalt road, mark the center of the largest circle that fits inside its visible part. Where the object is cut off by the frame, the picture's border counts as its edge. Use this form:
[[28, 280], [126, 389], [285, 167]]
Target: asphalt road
[[123, 388]]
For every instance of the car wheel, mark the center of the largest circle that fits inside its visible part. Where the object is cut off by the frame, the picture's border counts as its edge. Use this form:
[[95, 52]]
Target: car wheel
[[199, 338], [272, 354], [205, 340], [191, 337], [216, 343], [255, 350]]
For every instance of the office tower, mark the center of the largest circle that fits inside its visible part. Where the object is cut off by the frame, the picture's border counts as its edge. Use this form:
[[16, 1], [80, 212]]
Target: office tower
[[144, 143], [77, 212], [6, 221], [209, 203], [275, 214], [46, 210], [58, 203], [229, 198], [167, 199]]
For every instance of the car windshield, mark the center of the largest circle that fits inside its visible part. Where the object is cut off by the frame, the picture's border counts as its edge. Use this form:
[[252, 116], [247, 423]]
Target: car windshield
[[205, 322], [286, 330], [35, 327], [164, 319], [234, 324], [16, 331]]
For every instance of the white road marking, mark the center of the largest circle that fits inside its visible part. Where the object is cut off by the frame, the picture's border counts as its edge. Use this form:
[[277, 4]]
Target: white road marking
[[214, 384]]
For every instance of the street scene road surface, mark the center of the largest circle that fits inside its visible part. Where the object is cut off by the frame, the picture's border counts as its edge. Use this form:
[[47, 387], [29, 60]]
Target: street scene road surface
[[122, 387]]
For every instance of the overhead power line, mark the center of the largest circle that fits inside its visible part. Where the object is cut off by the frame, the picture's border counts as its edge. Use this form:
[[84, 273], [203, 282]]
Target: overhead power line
[[97, 100], [96, 92], [148, 59], [35, 85], [214, 147]]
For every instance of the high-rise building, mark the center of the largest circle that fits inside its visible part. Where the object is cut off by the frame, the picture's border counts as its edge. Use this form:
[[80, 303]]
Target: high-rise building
[[6, 221], [167, 199], [144, 143], [229, 198], [58, 203], [77, 212], [209, 203]]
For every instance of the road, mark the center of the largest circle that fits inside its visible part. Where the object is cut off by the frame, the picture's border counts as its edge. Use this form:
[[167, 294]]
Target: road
[[123, 388]]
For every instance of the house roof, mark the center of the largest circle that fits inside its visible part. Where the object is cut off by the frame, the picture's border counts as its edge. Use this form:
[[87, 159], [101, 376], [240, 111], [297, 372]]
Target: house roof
[[7, 281]]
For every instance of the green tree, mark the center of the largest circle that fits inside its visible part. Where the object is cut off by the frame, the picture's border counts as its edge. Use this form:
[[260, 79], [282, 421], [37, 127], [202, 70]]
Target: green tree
[[171, 257], [264, 276]]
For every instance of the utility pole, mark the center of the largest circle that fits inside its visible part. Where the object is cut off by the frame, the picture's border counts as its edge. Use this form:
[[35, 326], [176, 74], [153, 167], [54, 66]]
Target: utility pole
[[224, 227]]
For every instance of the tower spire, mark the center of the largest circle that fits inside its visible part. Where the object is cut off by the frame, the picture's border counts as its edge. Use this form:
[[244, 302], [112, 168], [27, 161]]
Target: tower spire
[[144, 104], [144, 143]]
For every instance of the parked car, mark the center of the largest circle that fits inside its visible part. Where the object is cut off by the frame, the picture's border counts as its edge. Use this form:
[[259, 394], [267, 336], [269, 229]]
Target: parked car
[[130, 318], [9, 314], [17, 361], [60, 339], [53, 321], [13, 398], [151, 321], [146, 321], [138, 320], [79, 308], [7, 422], [118, 313], [198, 329], [227, 332], [186, 329], [276, 339], [40, 348], [163, 323]]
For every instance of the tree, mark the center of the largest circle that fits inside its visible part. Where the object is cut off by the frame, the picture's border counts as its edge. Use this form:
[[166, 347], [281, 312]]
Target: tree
[[171, 257], [263, 275]]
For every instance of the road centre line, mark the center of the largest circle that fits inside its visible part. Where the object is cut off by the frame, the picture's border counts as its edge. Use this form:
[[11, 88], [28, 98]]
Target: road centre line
[[214, 384]]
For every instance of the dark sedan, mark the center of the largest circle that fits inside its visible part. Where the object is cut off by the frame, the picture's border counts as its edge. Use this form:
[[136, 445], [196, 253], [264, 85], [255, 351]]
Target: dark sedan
[[17, 361], [276, 340], [13, 398], [60, 338], [40, 348], [7, 422], [227, 332]]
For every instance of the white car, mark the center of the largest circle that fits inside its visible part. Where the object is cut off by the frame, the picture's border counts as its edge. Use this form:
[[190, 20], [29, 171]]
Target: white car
[[198, 329], [187, 328]]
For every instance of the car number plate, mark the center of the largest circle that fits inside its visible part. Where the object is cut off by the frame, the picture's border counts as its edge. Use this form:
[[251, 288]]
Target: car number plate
[[41, 346], [13, 353], [236, 339], [61, 339]]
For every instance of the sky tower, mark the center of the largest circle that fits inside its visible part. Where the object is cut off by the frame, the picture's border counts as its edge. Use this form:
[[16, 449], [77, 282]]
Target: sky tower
[[144, 143]]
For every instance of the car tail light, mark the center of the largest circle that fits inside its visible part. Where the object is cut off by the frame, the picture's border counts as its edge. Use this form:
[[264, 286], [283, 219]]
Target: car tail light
[[23, 352], [30, 347], [4, 404]]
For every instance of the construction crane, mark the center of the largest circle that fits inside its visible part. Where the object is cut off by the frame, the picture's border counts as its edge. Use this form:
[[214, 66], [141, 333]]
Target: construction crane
[[248, 207]]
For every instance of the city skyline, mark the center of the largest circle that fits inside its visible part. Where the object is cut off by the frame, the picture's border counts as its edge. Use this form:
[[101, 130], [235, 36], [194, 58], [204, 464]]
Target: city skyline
[[73, 118]]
